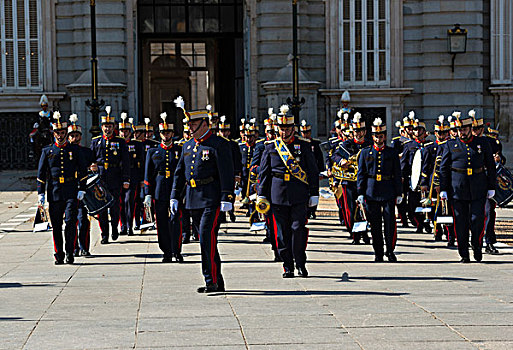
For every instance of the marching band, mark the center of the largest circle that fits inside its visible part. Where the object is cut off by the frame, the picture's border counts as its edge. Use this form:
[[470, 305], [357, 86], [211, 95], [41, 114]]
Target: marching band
[[447, 185]]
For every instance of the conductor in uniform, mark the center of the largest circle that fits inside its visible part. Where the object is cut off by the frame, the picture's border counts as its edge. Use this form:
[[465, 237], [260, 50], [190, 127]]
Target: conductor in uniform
[[158, 181], [379, 187], [289, 180], [61, 174], [205, 175], [112, 162], [467, 176], [306, 132]]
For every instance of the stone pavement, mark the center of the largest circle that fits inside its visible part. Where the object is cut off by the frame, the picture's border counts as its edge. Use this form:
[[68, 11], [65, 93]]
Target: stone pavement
[[125, 298]]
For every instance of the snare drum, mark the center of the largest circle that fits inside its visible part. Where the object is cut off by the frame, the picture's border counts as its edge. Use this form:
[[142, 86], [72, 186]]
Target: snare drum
[[97, 198]]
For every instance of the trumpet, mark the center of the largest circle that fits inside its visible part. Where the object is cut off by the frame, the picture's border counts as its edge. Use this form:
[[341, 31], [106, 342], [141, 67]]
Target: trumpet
[[262, 205]]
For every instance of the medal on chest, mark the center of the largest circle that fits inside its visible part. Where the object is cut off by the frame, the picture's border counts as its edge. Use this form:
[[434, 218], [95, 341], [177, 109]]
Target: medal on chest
[[204, 155], [479, 149], [297, 148], [70, 155]]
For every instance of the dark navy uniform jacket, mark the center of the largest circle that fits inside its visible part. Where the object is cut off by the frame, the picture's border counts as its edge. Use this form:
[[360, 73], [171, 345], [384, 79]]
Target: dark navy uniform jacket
[[496, 147], [379, 174], [62, 171], [467, 170], [316, 149], [246, 152], [333, 143], [137, 161], [257, 157], [273, 174], [429, 156], [206, 168], [159, 171], [237, 157], [113, 161], [347, 149], [398, 143]]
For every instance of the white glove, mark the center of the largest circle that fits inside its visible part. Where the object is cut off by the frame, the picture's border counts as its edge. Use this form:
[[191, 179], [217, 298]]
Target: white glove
[[41, 199], [490, 194], [226, 206], [443, 195], [173, 204], [147, 201], [36, 125], [80, 195], [398, 200], [360, 199], [313, 201], [261, 197]]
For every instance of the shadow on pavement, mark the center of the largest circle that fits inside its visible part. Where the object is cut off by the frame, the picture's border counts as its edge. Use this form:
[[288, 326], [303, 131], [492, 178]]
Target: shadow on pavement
[[303, 293]]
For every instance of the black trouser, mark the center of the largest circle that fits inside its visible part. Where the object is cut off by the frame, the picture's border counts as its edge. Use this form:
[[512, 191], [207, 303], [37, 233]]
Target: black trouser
[[84, 227], [413, 203], [206, 221], [349, 196], [168, 229], [311, 211], [291, 233], [469, 215], [402, 208], [379, 212], [269, 229], [103, 216], [187, 228], [128, 197], [490, 236], [65, 210], [138, 207]]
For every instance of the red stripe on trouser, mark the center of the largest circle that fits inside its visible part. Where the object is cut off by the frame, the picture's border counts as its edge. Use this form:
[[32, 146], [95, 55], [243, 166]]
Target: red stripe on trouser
[[213, 244], [275, 229], [346, 207]]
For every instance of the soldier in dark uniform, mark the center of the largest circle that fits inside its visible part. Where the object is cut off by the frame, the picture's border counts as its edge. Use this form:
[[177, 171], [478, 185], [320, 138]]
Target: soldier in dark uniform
[[246, 149], [342, 157], [225, 131], [289, 179], [496, 147], [84, 225], [414, 196], [398, 144], [306, 132], [136, 157], [62, 174], [242, 131], [454, 124], [113, 163], [430, 175], [379, 187], [41, 134], [467, 176], [159, 172], [205, 174], [139, 135]]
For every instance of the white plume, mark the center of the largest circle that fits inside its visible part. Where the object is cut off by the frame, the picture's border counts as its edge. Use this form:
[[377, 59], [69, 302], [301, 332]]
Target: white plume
[[416, 121], [339, 114], [252, 121], [147, 121], [108, 109], [411, 115], [456, 114], [223, 119], [449, 119], [346, 117], [123, 116], [303, 122], [472, 113], [163, 116], [56, 115], [131, 120], [398, 124], [357, 117], [184, 120], [209, 108], [270, 111], [73, 118], [179, 102], [273, 117], [284, 109], [378, 122], [441, 119], [242, 121]]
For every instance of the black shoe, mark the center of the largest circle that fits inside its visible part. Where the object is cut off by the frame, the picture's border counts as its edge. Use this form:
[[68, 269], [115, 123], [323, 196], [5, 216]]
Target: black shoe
[[195, 238], [355, 241], [248, 214], [137, 227], [59, 262], [85, 253], [288, 273], [490, 249], [378, 258], [419, 229], [209, 288], [302, 271], [465, 260], [123, 232], [451, 243], [220, 285], [186, 240], [232, 216], [314, 216], [70, 259], [167, 259], [438, 237], [115, 235], [428, 228], [277, 257], [178, 257], [76, 253], [478, 254], [405, 225], [366, 239], [391, 257], [105, 240], [266, 240], [130, 232]]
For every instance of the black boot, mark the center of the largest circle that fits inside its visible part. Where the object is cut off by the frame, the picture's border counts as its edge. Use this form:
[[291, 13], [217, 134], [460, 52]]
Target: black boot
[[490, 249], [209, 288], [302, 271], [69, 259], [288, 273]]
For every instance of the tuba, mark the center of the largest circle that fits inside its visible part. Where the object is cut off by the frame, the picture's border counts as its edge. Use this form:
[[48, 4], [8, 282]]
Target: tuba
[[262, 205], [349, 172]]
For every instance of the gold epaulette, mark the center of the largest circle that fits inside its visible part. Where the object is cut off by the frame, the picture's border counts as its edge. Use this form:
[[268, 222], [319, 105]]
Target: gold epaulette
[[268, 142], [38, 179], [405, 142], [303, 139], [442, 142], [429, 143], [316, 140], [94, 138], [224, 138], [396, 138], [259, 140]]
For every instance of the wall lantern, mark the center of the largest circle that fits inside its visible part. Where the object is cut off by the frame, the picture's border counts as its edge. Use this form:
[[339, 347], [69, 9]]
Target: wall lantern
[[457, 41]]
